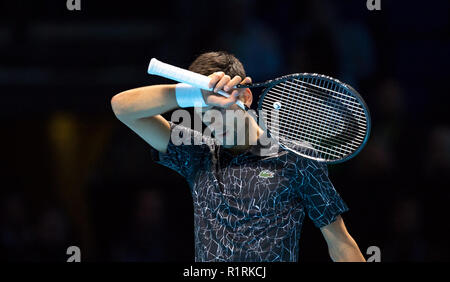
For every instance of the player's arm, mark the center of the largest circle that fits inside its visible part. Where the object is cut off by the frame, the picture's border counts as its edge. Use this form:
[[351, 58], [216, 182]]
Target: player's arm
[[141, 108], [341, 246]]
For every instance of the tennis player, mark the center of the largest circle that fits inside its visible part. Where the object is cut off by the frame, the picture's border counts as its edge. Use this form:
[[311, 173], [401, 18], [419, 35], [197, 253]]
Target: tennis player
[[250, 197]]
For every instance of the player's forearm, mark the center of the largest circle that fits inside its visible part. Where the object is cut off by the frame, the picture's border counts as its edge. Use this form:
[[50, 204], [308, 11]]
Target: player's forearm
[[144, 101], [347, 251]]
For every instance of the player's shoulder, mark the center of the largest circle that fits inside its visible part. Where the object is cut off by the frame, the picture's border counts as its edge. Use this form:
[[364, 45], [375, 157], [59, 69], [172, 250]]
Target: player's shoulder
[[297, 151]]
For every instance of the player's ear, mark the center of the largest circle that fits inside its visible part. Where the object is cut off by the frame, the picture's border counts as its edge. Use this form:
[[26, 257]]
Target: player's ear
[[248, 97]]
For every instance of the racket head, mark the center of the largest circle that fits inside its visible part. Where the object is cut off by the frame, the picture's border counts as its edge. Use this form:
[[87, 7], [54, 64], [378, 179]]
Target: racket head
[[346, 108]]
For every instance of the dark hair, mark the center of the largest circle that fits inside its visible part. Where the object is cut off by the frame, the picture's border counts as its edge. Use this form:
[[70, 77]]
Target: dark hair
[[210, 62]]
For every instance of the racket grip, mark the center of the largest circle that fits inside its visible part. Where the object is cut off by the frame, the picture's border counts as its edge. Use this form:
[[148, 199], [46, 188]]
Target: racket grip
[[159, 68]]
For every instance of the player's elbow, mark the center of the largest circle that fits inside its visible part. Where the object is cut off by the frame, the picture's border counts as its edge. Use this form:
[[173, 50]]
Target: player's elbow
[[118, 106]]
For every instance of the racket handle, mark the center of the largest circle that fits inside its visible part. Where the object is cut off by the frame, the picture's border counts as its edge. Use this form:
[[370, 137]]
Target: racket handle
[[159, 68]]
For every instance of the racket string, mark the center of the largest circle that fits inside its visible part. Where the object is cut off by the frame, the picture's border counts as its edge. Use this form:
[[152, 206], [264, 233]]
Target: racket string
[[316, 153], [320, 112], [311, 139], [310, 90], [317, 124], [358, 136], [320, 123], [327, 89], [359, 113], [320, 107], [304, 135], [312, 152], [304, 111], [316, 150]]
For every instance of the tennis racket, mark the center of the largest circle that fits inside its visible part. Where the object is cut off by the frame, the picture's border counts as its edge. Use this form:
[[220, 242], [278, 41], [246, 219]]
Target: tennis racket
[[312, 115]]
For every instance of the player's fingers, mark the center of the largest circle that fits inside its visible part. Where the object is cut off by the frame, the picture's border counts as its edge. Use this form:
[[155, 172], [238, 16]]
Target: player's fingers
[[222, 82], [247, 80], [221, 101], [238, 93], [216, 100], [233, 82], [231, 100], [214, 78]]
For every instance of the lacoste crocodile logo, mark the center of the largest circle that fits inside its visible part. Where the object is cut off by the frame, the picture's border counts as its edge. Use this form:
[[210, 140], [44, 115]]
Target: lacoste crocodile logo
[[266, 174]]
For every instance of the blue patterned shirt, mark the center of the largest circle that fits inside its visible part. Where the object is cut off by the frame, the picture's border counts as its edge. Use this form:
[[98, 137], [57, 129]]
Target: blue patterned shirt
[[250, 207]]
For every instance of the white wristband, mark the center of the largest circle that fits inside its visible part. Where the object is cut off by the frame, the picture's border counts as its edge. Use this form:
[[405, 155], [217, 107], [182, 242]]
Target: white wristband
[[189, 96]]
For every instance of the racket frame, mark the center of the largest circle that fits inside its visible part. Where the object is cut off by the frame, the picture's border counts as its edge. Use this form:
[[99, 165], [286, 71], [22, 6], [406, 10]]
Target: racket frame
[[271, 83]]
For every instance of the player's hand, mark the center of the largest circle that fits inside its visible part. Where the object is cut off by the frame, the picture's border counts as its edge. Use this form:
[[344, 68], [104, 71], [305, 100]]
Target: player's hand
[[221, 81]]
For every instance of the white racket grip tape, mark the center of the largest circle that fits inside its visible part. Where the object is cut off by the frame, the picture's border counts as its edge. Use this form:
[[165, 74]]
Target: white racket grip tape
[[178, 74], [159, 68]]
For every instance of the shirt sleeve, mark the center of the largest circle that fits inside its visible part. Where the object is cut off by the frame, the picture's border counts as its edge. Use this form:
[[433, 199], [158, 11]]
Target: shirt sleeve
[[185, 154], [323, 203]]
